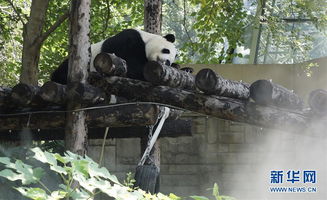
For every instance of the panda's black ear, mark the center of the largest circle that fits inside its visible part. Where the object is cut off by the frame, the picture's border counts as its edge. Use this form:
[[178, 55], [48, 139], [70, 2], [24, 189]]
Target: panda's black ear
[[170, 38]]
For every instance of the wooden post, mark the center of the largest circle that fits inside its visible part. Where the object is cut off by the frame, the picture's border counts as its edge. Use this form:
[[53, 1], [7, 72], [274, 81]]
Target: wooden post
[[147, 178], [79, 61]]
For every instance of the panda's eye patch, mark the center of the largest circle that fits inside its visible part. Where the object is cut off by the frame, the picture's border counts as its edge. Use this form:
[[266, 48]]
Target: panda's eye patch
[[166, 51]]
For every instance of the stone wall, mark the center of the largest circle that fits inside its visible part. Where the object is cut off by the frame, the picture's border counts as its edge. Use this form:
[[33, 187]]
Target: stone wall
[[224, 152]]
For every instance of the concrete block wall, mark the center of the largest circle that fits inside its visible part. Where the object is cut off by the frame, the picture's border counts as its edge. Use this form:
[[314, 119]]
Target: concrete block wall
[[191, 165]]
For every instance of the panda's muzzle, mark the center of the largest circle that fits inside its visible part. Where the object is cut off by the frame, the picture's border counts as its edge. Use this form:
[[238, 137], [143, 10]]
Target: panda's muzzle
[[167, 63], [163, 61]]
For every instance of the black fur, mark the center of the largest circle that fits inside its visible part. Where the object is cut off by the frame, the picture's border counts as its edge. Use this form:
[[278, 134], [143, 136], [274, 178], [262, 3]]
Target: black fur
[[127, 45], [60, 74], [170, 38]]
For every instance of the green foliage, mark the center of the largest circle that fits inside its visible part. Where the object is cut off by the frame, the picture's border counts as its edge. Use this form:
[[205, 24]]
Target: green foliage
[[206, 26], [217, 21], [107, 18], [82, 178], [295, 39], [11, 40], [72, 169], [207, 31], [215, 193], [129, 181]]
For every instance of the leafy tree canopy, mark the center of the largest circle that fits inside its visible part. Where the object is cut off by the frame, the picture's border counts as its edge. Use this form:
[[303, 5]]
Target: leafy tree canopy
[[208, 31]]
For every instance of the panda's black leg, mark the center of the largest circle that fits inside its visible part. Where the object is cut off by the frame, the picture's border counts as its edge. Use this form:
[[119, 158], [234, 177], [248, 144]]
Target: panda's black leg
[[60, 74]]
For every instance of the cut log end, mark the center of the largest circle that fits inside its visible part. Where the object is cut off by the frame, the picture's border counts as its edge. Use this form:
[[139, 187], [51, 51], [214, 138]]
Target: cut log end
[[22, 94], [206, 80], [103, 63], [260, 91], [53, 92], [318, 101], [153, 72]]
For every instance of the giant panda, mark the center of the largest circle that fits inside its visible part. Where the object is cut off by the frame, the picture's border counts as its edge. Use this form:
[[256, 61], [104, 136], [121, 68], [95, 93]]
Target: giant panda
[[136, 47]]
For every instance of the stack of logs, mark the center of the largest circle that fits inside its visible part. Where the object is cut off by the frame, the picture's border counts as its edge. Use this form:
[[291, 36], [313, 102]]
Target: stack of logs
[[262, 103]]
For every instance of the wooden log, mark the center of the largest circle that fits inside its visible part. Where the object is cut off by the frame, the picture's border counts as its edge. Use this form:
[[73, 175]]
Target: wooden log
[[265, 92], [212, 83], [85, 94], [23, 94], [188, 69], [175, 65], [221, 107], [117, 116], [159, 74], [54, 93], [171, 128], [4, 95], [318, 102], [110, 65]]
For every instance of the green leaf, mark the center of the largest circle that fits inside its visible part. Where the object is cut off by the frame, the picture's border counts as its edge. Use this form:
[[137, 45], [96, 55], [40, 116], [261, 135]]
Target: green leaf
[[7, 162], [95, 171], [58, 194], [44, 157], [174, 197], [37, 194], [227, 197], [199, 198], [80, 167], [10, 175], [61, 158], [38, 173], [58, 169], [26, 171], [215, 191], [50, 159], [80, 194], [33, 193]]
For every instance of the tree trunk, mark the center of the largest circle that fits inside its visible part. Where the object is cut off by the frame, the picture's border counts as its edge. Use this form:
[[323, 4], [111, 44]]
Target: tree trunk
[[31, 45], [152, 24], [79, 62], [152, 16]]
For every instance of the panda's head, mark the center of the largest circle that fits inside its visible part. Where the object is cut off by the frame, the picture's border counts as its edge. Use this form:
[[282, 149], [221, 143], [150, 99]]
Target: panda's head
[[159, 48]]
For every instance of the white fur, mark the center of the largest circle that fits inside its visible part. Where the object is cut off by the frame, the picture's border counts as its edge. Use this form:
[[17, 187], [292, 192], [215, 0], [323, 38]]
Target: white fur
[[95, 50], [154, 45]]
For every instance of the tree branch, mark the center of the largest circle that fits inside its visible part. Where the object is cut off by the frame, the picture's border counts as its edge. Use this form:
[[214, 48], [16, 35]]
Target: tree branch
[[16, 11], [46, 34], [184, 23], [107, 19]]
